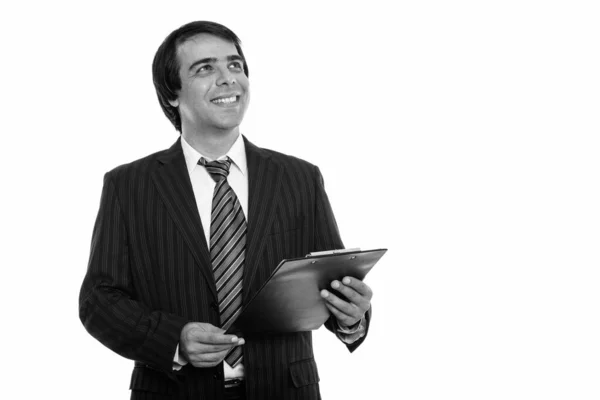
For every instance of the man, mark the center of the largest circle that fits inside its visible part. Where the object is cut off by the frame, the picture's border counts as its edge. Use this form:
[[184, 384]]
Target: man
[[186, 236]]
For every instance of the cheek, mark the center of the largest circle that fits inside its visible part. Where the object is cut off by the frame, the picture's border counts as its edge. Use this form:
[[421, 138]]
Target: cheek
[[243, 82], [246, 87], [195, 96]]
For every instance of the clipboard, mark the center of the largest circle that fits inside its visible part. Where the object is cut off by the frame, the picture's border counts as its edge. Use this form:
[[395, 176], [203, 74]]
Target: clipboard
[[290, 300]]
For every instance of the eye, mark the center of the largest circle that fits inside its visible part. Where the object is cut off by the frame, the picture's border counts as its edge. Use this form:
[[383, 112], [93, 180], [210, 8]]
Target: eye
[[236, 65], [204, 68]]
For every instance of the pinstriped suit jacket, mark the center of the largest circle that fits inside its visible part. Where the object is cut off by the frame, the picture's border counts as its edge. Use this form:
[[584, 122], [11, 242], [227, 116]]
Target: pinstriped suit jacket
[[149, 272]]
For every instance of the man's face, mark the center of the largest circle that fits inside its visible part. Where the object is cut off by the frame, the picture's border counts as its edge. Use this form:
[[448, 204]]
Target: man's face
[[214, 89]]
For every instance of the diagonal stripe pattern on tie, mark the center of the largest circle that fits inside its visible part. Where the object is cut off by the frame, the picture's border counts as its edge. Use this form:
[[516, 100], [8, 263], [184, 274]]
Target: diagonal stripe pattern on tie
[[227, 247]]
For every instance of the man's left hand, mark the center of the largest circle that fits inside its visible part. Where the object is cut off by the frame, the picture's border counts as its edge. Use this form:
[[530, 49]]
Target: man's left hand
[[359, 296]]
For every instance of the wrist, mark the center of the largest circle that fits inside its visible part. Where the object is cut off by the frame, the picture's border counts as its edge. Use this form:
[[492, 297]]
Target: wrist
[[350, 329]]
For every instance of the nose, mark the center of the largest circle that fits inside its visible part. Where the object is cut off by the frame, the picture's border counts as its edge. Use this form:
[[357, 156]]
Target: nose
[[225, 77]]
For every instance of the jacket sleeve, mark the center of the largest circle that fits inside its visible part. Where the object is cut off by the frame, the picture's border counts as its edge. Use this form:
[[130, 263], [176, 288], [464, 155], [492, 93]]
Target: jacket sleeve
[[108, 307], [327, 237]]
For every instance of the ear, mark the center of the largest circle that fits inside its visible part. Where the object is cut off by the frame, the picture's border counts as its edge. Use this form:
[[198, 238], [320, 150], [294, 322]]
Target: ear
[[174, 103]]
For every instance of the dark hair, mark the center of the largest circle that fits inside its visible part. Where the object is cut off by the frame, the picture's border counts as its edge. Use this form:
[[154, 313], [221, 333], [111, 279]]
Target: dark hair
[[165, 67]]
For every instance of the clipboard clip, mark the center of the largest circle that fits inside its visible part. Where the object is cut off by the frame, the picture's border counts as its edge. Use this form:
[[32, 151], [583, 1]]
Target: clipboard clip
[[330, 252]]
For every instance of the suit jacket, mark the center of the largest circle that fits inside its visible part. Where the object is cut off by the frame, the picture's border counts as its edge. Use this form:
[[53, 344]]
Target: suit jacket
[[149, 272]]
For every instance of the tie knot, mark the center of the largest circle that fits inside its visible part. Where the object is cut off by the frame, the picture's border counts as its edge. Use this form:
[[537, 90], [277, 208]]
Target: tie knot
[[218, 169]]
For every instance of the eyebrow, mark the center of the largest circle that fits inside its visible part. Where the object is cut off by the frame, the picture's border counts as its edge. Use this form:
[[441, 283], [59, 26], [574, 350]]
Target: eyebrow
[[207, 60]]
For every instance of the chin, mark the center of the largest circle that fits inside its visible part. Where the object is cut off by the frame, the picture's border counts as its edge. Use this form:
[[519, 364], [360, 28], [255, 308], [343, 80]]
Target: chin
[[229, 124]]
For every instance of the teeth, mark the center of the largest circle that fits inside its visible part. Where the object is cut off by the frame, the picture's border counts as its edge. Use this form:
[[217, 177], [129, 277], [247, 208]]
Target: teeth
[[227, 100]]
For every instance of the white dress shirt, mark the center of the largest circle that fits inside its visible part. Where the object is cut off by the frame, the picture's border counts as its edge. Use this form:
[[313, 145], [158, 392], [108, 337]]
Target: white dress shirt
[[203, 186]]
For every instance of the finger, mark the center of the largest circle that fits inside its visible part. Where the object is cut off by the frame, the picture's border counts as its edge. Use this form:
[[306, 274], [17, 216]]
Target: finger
[[197, 348], [359, 286], [204, 364], [202, 357], [207, 360], [341, 305], [340, 316], [352, 295], [204, 326], [214, 338], [198, 357]]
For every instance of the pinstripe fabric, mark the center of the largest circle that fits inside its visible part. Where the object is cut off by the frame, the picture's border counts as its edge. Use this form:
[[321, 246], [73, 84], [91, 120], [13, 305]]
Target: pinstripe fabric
[[150, 273], [227, 248]]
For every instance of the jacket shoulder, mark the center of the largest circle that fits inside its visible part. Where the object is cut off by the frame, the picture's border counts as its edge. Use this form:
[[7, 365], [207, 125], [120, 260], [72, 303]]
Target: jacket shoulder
[[137, 169], [293, 162]]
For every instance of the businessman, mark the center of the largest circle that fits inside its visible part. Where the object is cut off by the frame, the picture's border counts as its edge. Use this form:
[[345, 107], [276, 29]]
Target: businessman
[[185, 237]]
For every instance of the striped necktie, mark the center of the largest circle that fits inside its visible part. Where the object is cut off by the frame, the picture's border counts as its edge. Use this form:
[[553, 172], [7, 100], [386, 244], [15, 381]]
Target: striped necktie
[[227, 247]]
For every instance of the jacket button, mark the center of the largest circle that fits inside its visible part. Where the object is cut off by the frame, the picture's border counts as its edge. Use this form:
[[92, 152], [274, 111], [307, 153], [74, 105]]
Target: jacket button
[[214, 305]]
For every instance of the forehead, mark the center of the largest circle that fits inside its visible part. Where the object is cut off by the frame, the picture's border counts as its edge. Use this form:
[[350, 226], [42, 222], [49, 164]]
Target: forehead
[[204, 45]]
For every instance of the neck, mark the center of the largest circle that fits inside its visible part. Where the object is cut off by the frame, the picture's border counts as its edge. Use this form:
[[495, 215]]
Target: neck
[[212, 145]]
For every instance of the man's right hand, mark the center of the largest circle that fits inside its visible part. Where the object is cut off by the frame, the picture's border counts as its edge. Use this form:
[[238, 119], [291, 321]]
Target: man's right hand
[[204, 345]]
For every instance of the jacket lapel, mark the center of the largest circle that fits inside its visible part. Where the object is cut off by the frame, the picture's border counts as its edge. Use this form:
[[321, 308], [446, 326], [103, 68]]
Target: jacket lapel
[[264, 180], [173, 183]]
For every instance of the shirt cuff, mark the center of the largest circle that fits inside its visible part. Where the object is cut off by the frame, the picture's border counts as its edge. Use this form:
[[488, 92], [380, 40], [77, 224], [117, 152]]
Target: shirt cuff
[[351, 334], [178, 361]]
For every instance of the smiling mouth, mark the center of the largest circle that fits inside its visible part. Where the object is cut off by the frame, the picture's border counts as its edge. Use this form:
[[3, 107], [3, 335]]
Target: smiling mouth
[[226, 100]]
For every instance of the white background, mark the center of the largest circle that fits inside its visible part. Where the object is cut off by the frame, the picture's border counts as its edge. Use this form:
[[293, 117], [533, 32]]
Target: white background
[[461, 135]]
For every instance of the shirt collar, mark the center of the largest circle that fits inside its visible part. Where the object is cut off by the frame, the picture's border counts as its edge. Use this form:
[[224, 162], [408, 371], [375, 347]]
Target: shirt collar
[[237, 154]]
